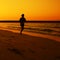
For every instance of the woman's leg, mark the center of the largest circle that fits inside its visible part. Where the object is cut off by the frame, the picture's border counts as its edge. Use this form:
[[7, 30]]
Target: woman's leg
[[22, 28]]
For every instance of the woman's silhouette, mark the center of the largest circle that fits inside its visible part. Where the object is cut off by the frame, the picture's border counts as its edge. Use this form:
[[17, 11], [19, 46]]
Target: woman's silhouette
[[22, 21]]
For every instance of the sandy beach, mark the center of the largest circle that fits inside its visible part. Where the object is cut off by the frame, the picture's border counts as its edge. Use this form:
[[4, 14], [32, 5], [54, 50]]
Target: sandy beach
[[14, 46]]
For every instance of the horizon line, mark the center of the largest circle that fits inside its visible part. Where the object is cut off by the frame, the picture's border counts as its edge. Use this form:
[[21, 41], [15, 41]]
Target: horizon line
[[5, 21]]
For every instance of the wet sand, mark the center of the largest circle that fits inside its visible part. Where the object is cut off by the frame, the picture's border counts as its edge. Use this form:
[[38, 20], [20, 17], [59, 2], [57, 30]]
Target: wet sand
[[14, 46]]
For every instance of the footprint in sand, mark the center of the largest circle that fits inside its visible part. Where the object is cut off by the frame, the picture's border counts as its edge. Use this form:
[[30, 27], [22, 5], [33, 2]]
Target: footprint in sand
[[16, 51], [31, 50]]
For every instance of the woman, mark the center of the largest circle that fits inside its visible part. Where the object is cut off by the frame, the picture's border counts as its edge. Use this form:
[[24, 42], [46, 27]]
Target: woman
[[22, 21]]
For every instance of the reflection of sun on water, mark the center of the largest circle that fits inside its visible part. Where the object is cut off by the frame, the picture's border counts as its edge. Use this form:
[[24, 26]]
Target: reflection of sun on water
[[9, 25]]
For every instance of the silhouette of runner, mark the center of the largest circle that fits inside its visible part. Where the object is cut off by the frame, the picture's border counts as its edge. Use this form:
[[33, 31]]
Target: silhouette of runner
[[22, 21]]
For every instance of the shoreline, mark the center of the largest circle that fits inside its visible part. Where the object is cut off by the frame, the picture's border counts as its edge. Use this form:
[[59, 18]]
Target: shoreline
[[36, 34]]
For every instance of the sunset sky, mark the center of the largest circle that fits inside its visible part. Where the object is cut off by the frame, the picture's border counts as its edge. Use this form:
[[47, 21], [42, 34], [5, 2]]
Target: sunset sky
[[33, 9]]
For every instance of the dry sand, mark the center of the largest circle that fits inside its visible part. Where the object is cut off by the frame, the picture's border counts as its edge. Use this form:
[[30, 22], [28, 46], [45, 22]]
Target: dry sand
[[14, 46]]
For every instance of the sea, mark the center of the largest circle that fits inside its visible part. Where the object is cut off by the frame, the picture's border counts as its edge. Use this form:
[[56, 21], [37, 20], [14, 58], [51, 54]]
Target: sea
[[52, 29]]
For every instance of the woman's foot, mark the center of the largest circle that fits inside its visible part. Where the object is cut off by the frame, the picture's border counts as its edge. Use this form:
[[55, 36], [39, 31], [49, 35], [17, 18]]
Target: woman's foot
[[20, 32]]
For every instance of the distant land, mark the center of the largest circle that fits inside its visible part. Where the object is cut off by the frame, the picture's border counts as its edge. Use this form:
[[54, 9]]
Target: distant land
[[28, 21]]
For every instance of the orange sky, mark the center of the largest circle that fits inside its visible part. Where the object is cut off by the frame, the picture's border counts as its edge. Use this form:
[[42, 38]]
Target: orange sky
[[33, 9]]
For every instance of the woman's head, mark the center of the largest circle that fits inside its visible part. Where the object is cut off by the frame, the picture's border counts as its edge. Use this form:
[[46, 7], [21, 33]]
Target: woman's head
[[22, 15]]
